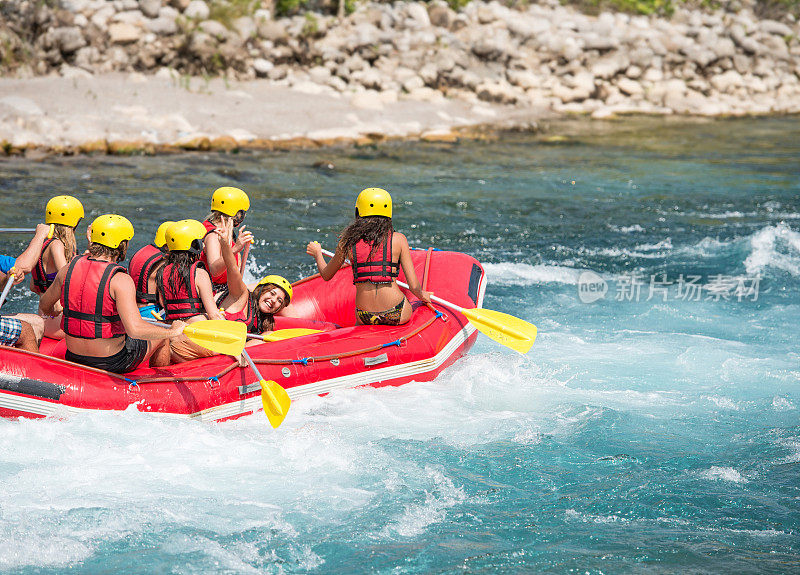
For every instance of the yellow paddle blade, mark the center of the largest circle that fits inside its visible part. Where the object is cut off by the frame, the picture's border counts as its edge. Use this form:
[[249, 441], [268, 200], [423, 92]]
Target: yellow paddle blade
[[218, 335], [289, 333], [511, 331], [276, 402]]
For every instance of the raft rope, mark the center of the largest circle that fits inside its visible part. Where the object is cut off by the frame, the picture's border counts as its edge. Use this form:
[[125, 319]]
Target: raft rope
[[311, 360], [305, 361], [135, 383]]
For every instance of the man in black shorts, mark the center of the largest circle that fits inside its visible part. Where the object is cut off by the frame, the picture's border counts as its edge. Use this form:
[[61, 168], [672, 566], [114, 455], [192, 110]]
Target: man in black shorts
[[101, 319]]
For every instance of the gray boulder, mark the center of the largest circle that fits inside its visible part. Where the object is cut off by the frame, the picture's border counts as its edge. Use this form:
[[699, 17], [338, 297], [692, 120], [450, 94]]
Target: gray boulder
[[197, 10], [68, 40], [150, 8]]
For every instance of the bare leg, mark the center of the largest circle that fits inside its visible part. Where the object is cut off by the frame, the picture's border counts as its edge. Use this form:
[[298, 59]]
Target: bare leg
[[160, 353], [52, 327], [27, 338], [36, 323]]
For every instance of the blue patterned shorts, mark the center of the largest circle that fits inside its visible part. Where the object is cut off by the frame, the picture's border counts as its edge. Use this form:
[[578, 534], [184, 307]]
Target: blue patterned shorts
[[10, 330]]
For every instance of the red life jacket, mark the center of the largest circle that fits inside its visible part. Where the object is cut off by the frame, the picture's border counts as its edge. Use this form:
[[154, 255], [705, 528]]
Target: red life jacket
[[40, 279], [140, 268], [89, 310], [376, 268], [179, 303], [221, 279], [247, 316]]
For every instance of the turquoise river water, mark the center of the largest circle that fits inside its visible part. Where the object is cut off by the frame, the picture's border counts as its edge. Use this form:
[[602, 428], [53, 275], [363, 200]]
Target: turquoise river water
[[652, 428]]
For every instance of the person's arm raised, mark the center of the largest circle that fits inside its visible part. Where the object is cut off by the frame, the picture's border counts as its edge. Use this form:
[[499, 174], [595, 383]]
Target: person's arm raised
[[28, 258], [328, 270], [408, 269], [206, 291], [236, 286], [123, 291], [213, 249]]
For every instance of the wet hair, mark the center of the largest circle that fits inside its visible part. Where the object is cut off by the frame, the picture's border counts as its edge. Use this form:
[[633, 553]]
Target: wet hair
[[372, 229], [266, 321], [182, 261], [67, 236], [114, 254]]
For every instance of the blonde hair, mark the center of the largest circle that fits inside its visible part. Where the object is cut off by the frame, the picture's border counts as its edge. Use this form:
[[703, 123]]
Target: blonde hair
[[67, 236], [216, 217]]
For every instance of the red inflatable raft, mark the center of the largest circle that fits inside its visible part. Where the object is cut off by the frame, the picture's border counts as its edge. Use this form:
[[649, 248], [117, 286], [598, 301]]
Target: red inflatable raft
[[212, 389]]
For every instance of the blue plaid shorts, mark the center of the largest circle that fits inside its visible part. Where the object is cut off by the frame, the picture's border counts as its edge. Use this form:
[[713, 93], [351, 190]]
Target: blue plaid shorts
[[10, 330]]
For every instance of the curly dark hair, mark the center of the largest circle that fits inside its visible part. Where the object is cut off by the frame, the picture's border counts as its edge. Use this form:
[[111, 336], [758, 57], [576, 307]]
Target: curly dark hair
[[372, 229]]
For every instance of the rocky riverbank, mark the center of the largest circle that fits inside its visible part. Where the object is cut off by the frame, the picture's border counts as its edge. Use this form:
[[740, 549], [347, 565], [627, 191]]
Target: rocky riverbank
[[404, 69]]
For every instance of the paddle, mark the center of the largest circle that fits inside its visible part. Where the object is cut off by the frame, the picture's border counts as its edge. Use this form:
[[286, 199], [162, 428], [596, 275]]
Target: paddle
[[218, 335], [7, 288], [274, 398], [284, 334], [25, 230], [228, 338], [503, 328], [10, 280]]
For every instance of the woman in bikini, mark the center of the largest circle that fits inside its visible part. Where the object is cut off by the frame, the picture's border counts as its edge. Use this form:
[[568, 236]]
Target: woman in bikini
[[377, 253]]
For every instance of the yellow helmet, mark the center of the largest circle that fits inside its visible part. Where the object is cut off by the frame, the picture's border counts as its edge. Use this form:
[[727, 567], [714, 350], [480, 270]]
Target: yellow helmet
[[64, 210], [374, 202], [185, 236], [111, 230], [161, 234], [228, 201], [281, 282]]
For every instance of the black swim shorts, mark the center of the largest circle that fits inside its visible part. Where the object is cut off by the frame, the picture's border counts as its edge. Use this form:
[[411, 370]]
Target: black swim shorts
[[125, 360]]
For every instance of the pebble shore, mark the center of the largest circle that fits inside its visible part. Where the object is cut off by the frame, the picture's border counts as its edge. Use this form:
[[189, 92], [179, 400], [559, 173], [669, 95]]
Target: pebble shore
[[124, 76]]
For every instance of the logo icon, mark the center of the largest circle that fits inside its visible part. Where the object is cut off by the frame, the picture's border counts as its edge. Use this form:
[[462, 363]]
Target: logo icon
[[591, 287]]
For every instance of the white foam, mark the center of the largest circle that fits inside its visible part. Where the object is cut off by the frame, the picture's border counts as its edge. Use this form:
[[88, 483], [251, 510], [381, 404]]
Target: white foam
[[635, 228], [417, 517], [724, 402], [774, 247], [707, 247], [657, 250], [515, 274], [782, 404], [723, 474]]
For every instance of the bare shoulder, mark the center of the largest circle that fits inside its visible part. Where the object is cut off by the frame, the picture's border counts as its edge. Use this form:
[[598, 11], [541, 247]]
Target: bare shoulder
[[399, 239], [201, 274], [56, 244], [121, 281], [211, 238]]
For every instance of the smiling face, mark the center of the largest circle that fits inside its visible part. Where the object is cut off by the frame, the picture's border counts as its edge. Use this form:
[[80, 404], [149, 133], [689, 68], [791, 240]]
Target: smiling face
[[272, 299]]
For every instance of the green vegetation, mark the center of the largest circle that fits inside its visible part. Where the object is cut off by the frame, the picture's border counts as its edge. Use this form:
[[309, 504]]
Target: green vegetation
[[311, 27], [226, 11], [763, 8], [457, 4]]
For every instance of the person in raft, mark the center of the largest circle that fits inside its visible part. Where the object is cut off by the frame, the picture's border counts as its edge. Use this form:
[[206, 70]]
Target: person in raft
[[183, 286], [65, 213], [143, 267], [257, 308], [377, 253], [22, 330], [228, 209], [101, 320]]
